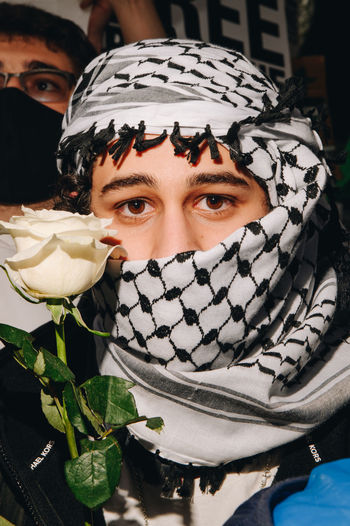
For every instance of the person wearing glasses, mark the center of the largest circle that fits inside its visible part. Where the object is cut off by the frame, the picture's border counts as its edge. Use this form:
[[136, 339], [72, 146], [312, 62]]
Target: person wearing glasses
[[41, 57]]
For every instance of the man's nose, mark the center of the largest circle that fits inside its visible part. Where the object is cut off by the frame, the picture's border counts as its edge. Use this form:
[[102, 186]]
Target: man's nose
[[175, 234], [13, 82]]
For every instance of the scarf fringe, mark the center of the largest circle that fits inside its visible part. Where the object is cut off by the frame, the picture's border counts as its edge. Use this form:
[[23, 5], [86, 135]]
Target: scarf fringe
[[182, 144], [141, 144], [172, 476], [90, 144], [126, 136]]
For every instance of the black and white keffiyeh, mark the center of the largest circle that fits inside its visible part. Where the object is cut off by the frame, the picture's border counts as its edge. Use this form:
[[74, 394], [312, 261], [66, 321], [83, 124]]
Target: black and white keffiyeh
[[235, 347]]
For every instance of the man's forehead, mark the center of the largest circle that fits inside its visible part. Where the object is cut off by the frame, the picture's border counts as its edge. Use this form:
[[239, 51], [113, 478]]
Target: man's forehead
[[158, 164], [191, 181], [32, 52], [24, 40]]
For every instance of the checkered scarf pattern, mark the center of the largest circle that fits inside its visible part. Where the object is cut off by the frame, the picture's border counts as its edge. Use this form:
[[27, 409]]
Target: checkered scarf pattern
[[237, 347]]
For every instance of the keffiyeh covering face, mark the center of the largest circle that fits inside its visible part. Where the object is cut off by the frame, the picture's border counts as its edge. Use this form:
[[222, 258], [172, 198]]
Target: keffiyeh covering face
[[235, 347]]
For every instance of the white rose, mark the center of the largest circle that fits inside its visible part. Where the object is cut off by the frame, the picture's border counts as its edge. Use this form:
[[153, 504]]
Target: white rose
[[59, 254]]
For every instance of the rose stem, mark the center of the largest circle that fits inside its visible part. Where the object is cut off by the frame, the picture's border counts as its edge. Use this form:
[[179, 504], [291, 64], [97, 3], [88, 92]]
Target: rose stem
[[61, 342], [62, 355]]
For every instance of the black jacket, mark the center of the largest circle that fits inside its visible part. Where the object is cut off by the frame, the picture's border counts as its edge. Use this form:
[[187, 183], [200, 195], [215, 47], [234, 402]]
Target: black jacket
[[33, 490]]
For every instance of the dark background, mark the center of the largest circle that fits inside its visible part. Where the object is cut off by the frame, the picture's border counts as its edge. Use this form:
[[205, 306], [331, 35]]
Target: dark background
[[325, 34], [328, 35], [318, 37]]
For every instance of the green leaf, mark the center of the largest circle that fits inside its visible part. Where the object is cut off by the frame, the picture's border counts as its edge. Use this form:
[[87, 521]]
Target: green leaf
[[56, 307], [94, 419], [13, 335], [19, 290], [156, 423], [94, 475], [51, 412], [26, 353], [73, 408], [5, 522], [43, 363], [29, 354], [74, 311], [48, 365], [109, 396]]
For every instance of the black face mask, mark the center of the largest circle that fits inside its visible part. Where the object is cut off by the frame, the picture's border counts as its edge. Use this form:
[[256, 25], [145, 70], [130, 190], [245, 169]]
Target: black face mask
[[29, 135]]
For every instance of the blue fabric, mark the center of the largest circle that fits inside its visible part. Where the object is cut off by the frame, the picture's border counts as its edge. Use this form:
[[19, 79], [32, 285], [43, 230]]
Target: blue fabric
[[325, 501], [257, 511]]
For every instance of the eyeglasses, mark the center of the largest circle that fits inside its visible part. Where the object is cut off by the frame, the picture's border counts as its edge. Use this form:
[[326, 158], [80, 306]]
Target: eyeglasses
[[43, 85]]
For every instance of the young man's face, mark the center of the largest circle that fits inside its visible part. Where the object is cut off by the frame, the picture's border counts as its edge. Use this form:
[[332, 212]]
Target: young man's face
[[18, 54], [162, 205]]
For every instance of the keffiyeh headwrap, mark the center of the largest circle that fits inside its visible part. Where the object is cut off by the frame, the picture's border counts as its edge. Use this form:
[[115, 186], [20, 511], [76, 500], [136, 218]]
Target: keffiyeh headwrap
[[235, 347]]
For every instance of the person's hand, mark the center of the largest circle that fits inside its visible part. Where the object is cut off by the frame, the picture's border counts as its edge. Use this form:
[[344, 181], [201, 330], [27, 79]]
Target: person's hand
[[138, 20], [101, 12]]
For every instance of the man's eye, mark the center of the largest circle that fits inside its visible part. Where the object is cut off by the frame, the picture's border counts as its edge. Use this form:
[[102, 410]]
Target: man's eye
[[214, 202], [44, 85], [133, 207], [136, 207], [48, 82]]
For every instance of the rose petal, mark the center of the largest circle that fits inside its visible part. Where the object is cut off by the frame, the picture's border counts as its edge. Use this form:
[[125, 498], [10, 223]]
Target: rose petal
[[59, 268], [59, 253]]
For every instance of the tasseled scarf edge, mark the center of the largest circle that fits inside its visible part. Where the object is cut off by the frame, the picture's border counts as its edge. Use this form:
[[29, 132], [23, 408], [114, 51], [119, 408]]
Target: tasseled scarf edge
[[89, 144], [173, 477]]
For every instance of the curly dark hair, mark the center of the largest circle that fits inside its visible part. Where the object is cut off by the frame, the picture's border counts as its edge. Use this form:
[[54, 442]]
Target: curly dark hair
[[20, 20], [73, 192]]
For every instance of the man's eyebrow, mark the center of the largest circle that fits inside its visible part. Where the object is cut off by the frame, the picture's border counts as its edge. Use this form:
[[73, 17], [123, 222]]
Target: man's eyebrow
[[217, 178], [129, 180], [137, 179], [37, 64]]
